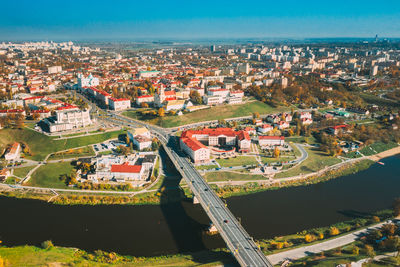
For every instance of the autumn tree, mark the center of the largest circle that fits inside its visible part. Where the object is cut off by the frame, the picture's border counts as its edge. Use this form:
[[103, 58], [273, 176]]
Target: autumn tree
[[195, 97], [161, 112], [334, 231], [276, 152]]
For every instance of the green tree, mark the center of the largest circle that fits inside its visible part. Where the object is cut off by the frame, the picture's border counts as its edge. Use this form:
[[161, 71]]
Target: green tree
[[195, 97]]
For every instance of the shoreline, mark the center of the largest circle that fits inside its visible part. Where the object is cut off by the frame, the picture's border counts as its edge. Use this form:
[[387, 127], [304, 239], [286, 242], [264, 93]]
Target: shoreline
[[240, 189], [384, 154]]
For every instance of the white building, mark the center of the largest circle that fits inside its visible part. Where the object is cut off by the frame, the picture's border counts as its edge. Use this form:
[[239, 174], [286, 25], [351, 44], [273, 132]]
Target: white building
[[89, 81], [119, 103], [54, 69], [68, 119], [264, 140]]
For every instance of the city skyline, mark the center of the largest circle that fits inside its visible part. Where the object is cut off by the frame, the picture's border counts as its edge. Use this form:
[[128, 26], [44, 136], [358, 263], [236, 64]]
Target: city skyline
[[91, 20]]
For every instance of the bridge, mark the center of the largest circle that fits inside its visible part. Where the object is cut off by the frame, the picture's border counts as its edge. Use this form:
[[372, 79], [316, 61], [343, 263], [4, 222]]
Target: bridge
[[239, 242]]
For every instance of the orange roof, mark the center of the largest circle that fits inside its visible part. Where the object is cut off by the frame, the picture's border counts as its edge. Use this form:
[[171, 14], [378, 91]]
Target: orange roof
[[126, 168]]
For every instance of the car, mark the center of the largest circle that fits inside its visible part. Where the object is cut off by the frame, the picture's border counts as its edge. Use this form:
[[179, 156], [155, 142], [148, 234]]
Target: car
[[225, 221], [205, 189]]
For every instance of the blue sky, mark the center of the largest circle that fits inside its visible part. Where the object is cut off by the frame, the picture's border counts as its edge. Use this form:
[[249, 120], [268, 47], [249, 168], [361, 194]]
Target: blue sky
[[131, 19]]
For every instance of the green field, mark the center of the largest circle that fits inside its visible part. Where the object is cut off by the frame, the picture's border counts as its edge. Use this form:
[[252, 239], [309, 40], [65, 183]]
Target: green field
[[238, 161], [316, 161], [42, 145], [73, 153], [225, 176], [49, 175], [23, 171], [214, 113], [61, 256]]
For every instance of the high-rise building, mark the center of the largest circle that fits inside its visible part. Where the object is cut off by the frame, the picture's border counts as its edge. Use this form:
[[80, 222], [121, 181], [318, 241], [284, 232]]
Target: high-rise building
[[212, 48], [373, 71]]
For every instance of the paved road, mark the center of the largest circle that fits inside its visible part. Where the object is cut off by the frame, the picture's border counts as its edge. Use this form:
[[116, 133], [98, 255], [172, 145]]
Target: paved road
[[302, 252]]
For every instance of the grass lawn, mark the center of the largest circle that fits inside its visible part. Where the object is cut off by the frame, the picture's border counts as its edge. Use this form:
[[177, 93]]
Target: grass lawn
[[49, 175], [22, 172], [316, 160], [225, 176], [206, 167], [238, 161], [377, 147], [61, 256], [214, 113], [73, 153], [11, 180], [42, 145], [280, 159]]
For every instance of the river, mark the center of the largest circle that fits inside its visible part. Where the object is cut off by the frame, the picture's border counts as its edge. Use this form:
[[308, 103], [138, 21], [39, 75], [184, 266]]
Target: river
[[179, 227]]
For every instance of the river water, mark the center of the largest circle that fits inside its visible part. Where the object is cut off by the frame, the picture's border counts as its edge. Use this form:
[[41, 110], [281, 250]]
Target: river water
[[179, 227]]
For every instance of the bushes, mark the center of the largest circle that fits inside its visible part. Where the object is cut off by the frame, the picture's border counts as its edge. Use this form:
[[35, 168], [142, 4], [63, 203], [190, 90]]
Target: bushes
[[47, 244]]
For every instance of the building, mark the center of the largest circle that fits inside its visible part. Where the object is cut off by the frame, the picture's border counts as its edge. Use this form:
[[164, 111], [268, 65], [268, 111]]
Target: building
[[265, 128], [119, 103], [89, 81], [140, 137], [264, 140], [373, 71], [54, 69], [4, 173], [13, 152], [126, 172], [148, 74], [195, 142], [68, 119], [149, 99]]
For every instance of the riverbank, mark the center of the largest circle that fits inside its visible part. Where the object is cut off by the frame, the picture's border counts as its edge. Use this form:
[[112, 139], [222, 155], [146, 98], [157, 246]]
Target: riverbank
[[255, 187], [385, 154], [49, 255]]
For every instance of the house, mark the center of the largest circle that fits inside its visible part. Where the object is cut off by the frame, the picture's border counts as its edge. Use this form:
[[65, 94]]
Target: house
[[282, 125], [265, 128], [306, 121], [42, 113], [13, 152], [250, 130], [149, 99], [336, 129], [264, 140], [305, 115], [4, 173], [174, 105]]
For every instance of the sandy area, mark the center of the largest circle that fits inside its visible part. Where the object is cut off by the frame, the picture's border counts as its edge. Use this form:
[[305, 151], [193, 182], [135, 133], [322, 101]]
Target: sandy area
[[384, 154]]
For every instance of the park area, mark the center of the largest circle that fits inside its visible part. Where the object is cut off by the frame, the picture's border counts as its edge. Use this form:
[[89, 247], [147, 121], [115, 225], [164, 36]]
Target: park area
[[49, 174], [41, 145]]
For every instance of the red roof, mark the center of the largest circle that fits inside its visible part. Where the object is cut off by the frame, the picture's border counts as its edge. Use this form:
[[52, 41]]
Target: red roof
[[193, 144], [126, 168]]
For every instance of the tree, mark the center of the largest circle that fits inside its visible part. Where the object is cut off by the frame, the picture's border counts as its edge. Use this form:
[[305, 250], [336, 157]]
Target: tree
[[144, 105], [195, 97], [47, 244], [309, 238], [334, 231], [161, 112], [276, 152], [256, 115], [356, 250], [123, 150], [35, 116], [2, 262], [369, 250]]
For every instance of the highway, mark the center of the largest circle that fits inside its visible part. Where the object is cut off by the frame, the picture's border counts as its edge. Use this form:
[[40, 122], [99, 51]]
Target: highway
[[239, 242]]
